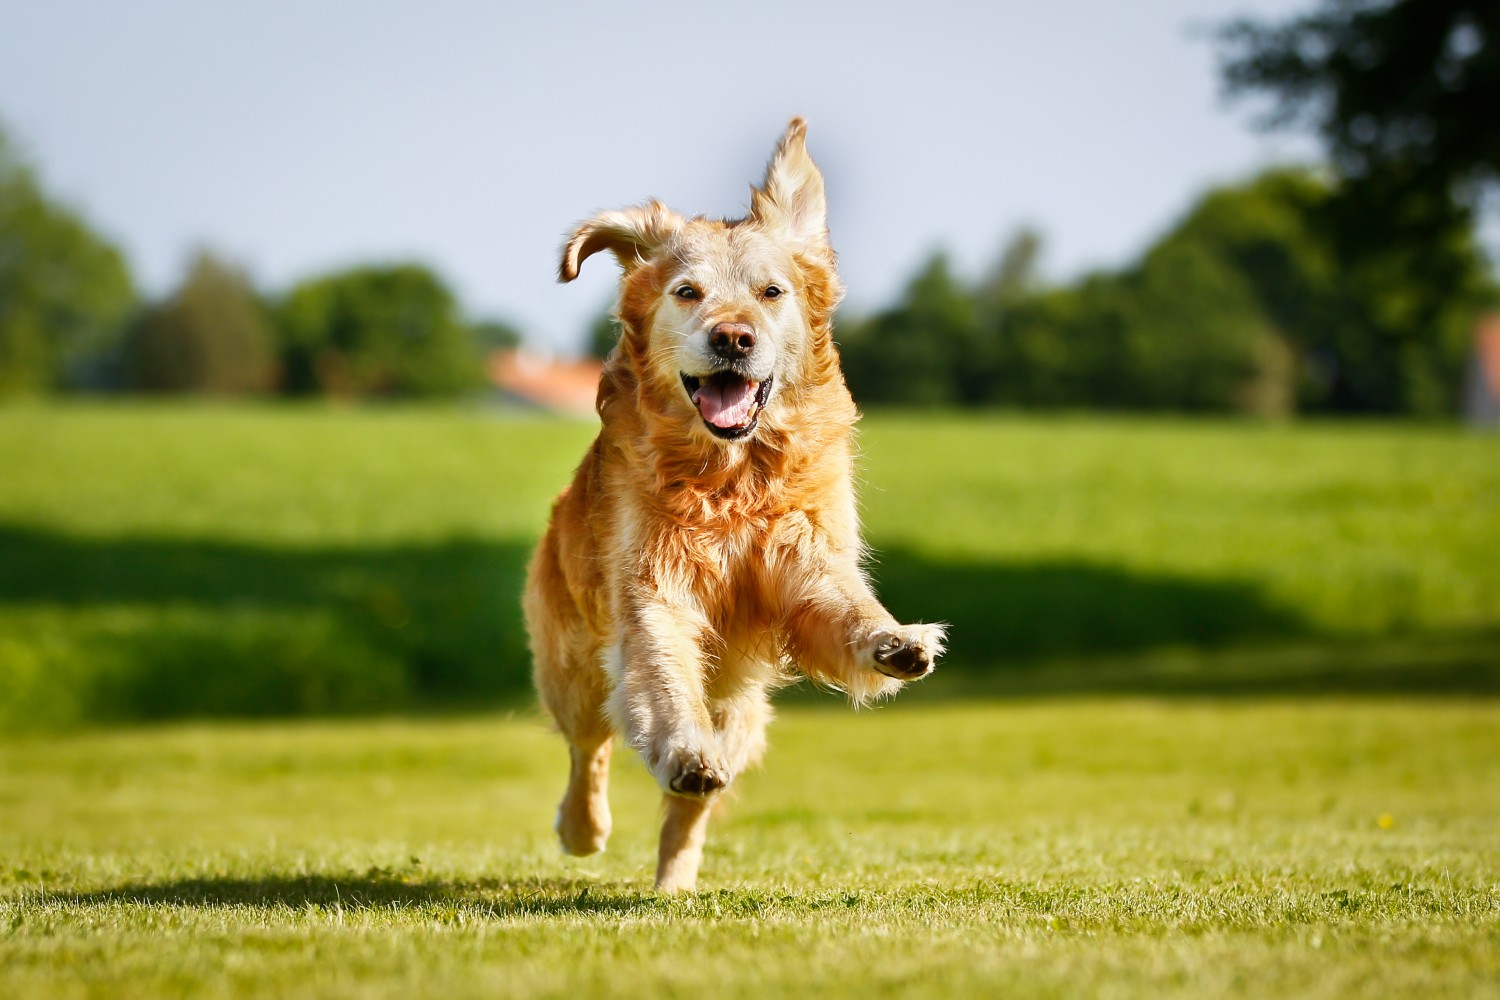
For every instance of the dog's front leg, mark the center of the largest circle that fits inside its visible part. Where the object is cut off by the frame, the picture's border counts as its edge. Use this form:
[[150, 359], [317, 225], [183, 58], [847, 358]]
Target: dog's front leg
[[840, 633], [659, 697]]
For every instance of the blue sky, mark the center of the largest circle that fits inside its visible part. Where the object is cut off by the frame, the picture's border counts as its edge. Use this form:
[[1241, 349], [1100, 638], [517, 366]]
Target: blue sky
[[297, 137]]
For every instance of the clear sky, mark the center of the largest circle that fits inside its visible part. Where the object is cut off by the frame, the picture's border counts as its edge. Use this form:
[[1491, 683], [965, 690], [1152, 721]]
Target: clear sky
[[300, 136]]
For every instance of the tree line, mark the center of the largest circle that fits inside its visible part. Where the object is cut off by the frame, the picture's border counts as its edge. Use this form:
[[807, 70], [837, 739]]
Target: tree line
[[1352, 288], [1253, 302], [72, 319]]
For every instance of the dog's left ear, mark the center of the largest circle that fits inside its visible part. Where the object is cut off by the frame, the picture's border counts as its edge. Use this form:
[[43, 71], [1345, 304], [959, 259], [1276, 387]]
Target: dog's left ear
[[791, 199]]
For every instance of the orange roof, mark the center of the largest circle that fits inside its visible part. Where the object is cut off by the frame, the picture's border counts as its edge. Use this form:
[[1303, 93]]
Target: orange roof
[[1487, 351], [562, 386]]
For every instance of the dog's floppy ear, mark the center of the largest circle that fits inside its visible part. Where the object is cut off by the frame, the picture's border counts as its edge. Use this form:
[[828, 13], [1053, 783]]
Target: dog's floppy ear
[[631, 234], [791, 199]]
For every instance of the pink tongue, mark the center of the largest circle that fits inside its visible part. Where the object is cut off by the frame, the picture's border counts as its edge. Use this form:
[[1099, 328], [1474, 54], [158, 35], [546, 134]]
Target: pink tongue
[[726, 404]]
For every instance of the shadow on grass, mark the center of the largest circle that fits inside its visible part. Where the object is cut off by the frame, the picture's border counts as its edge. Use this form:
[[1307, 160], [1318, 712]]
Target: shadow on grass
[[150, 628], [484, 898], [146, 627], [1034, 629], [1030, 612]]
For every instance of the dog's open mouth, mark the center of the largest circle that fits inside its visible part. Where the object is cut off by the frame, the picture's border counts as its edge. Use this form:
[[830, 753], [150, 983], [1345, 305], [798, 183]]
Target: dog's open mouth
[[729, 404]]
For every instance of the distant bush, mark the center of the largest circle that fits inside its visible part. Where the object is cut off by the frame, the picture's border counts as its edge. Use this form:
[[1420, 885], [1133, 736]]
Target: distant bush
[[920, 352], [1256, 301], [65, 291], [211, 336], [376, 331]]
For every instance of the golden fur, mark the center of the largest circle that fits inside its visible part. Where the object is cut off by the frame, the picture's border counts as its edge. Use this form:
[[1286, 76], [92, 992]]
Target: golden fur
[[684, 576]]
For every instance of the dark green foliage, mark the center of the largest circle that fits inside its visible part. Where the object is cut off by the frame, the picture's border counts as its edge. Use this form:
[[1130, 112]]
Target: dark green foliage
[[1402, 90], [1353, 294], [1412, 281], [1263, 299], [210, 337], [1190, 330], [1015, 274], [1057, 347], [604, 334], [1403, 94], [376, 331], [921, 352], [1182, 330], [65, 292], [494, 335]]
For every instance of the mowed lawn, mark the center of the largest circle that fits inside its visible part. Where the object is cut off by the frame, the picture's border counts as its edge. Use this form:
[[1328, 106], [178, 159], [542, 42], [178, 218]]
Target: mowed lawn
[[1122, 847], [1219, 718], [168, 562]]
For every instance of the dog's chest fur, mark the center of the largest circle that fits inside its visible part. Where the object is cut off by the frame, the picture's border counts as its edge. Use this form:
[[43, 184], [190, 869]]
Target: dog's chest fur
[[727, 541]]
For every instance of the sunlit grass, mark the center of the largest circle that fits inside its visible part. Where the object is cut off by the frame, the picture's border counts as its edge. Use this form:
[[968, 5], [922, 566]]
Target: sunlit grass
[[169, 561], [190, 561], [1121, 848]]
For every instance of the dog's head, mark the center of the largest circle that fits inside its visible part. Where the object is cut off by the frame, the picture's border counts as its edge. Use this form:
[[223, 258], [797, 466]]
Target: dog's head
[[725, 322]]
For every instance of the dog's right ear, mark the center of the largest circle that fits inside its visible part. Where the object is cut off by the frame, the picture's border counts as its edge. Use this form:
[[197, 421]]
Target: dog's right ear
[[632, 235]]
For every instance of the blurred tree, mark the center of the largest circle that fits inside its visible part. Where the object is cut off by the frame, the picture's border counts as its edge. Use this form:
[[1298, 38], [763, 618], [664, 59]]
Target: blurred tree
[[1269, 232], [920, 353], [210, 336], [1402, 91], [1060, 347], [1016, 273], [1263, 298], [376, 331], [1413, 279], [1258, 300], [1403, 94], [494, 335], [1180, 332], [1192, 333], [604, 334], [65, 292]]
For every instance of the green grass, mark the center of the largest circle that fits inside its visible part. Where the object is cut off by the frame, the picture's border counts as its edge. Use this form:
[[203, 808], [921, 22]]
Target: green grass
[[167, 562], [1185, 822], [1124, 847]]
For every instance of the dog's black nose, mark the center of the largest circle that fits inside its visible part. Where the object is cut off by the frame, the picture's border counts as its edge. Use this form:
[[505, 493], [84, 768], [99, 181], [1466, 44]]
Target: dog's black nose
[[732, 341]]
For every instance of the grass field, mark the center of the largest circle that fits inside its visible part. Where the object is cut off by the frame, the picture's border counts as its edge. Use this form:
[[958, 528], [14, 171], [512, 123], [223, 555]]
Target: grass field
[[1220, 717], [169, 562], [1123, 847]]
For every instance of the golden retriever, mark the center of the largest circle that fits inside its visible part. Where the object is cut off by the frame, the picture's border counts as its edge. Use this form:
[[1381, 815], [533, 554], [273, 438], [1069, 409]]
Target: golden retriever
[[709, 543]]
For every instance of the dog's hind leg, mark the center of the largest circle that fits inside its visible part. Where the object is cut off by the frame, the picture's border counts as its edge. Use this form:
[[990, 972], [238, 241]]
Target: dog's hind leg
[[583, 820], [572, 685], [575, 694]]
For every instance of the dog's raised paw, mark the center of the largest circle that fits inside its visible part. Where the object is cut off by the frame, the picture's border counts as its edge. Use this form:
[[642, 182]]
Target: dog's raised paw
[[908, 651], [698, 781]]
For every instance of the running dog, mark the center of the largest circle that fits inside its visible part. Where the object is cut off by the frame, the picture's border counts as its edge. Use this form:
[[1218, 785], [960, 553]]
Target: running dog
[[708, 548]]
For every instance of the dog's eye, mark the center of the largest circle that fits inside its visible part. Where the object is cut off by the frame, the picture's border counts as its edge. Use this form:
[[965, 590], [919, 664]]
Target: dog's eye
[[771, 292], [686, 292]]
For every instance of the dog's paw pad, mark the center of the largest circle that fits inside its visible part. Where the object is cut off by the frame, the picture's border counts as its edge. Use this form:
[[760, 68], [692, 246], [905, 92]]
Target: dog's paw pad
[[698, 781], [908, 653]]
